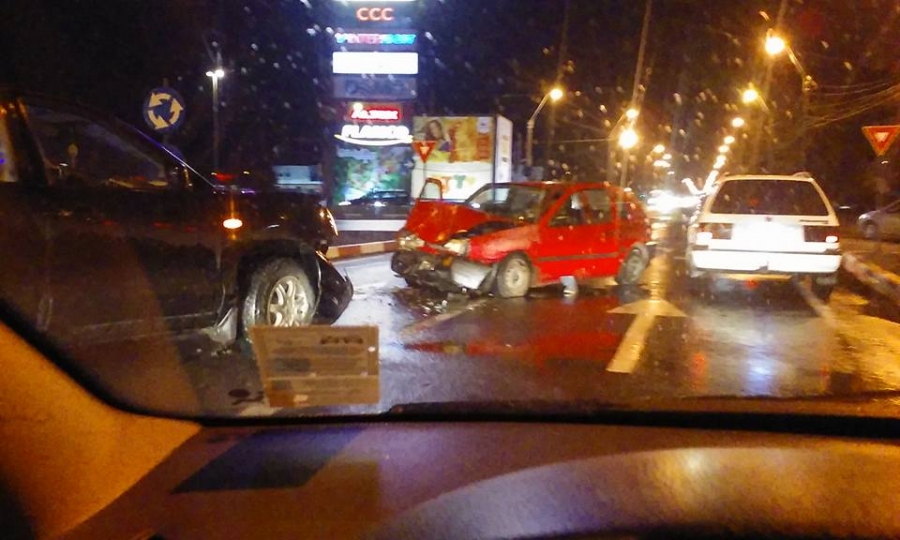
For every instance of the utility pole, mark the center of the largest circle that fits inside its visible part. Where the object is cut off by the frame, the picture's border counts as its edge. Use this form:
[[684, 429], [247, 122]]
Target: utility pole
[[635, 89], [560, 68], [768, 121]]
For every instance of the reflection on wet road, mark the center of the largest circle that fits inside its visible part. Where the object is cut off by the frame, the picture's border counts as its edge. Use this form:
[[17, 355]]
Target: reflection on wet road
[[605, 344]]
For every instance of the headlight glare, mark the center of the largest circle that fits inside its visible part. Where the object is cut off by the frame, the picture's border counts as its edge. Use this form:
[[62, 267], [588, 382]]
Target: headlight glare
[[459, 246]]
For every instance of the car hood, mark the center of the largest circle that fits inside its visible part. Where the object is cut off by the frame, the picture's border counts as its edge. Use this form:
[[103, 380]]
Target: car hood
[[438, 221], [300, 212]]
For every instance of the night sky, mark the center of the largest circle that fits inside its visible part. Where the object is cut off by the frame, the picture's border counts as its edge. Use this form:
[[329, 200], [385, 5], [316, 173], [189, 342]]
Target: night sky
[[482, 57]]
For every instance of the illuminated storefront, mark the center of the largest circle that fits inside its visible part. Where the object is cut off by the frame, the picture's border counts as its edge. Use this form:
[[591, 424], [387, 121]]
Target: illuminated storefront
[[374, 67]]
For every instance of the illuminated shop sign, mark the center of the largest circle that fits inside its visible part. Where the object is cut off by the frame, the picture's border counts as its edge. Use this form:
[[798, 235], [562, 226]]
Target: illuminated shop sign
[[372, 14], [369, 88], [374, 112], [375, 14], [375, 63], [375, 135], [354, 38]]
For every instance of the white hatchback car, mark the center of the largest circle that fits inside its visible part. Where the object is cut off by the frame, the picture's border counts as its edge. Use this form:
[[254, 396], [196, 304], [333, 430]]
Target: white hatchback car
[[766, 227]]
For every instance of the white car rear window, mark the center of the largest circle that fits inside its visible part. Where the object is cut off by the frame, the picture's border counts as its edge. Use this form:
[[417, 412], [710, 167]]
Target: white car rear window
[[769, 197]]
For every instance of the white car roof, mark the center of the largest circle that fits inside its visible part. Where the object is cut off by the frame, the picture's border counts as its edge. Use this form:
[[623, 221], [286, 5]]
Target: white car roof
[[797, 178]]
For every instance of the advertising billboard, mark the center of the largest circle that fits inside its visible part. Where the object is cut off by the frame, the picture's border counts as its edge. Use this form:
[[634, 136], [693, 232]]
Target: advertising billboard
[[374, 112], [356, 40], [503, 165], [359, 170], [362, 87], [374, 14], [463, 155], [375, 63]]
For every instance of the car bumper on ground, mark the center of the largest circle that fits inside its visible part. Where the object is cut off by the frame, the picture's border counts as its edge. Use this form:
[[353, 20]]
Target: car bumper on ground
[[762, 262], [335, 294], [443, 271]]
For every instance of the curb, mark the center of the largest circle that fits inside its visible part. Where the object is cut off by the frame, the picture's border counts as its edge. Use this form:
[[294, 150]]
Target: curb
[[358, 250], [870, 274]]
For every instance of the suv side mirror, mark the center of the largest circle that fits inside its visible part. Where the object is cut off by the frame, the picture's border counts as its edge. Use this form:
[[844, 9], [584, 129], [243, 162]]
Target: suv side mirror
[[180, 178], [64, 176]]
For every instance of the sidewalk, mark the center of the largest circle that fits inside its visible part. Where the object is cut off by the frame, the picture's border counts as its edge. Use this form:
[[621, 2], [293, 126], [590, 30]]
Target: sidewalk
[[876, 269], [358, 250], [356, 241]]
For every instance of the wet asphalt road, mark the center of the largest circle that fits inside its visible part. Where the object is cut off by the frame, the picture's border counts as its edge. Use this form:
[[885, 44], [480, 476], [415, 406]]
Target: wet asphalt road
[[604, 345]]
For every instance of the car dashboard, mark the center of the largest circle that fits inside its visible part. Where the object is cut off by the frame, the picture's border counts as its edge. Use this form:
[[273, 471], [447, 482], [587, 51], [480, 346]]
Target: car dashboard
[[428, 480]]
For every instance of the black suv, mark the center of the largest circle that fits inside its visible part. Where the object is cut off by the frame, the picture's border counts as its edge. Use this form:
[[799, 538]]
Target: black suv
[[106, 235]]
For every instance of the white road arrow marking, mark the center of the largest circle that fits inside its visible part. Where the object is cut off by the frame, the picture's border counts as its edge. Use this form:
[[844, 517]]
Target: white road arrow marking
[[632, 346]]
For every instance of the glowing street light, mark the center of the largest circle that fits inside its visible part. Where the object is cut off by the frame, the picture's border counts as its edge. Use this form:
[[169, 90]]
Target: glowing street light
[[628, 139], [775, 45], [632, 114], [738, 122], [750, 95], [729, 139], [554, 95], [659, 149], [724, 149], [667, 157]]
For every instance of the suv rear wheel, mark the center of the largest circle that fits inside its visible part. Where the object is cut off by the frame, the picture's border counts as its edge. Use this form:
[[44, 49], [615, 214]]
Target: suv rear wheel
[[279, 294]]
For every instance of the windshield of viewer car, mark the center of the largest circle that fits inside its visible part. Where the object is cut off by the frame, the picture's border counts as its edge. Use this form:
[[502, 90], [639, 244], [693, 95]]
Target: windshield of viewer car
[[524, 206]]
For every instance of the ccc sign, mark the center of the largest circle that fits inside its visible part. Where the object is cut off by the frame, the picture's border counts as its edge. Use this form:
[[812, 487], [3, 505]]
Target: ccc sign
[[375, 14]]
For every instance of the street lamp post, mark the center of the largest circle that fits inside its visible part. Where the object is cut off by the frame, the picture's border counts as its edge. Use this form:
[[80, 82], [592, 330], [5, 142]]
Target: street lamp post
[[553, 95], [628, 139], [215, 75], [775, 46]]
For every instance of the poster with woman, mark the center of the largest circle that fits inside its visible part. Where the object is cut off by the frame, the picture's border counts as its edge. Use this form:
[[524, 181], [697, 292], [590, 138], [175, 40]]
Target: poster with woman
[[463, 157]]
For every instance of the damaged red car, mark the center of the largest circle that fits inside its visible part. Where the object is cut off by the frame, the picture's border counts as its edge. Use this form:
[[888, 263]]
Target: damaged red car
[[509, 238]]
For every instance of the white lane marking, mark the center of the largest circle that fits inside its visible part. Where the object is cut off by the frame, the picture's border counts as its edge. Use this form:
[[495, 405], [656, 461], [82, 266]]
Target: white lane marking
[[431, 322], [632, 346], [821, 308]]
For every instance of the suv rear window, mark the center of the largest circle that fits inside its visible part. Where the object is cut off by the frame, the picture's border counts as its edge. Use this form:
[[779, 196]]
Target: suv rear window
[[773, 197]]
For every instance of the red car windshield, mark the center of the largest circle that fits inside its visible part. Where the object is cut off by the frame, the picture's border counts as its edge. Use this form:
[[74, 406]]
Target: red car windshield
[[520, 203]]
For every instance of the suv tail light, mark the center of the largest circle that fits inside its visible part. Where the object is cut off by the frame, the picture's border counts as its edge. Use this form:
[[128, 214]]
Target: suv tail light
[[819, 233], [711, 231]]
